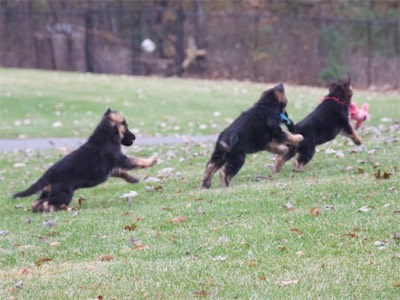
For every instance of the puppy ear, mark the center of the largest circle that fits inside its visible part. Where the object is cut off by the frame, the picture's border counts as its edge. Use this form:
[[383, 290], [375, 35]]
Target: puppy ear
[[108, 111], [365, 107], [279, 88], [347, 83]]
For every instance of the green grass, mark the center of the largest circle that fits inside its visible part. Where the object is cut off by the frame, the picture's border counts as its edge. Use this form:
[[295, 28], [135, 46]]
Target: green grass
[[242, 247]]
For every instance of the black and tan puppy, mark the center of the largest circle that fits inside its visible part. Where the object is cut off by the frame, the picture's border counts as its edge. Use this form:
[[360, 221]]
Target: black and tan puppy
[[330, 118], [256, 129], [89, 165]]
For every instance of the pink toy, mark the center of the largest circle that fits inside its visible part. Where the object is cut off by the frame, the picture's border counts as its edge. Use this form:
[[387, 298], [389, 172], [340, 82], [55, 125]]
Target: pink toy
[[360, 115]]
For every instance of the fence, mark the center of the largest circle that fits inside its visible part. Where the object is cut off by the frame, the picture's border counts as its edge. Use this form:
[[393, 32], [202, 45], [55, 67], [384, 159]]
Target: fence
[[236, 45]]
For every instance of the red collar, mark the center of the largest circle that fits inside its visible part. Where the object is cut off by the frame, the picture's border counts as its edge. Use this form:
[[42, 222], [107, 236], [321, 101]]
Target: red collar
[[336, 100]]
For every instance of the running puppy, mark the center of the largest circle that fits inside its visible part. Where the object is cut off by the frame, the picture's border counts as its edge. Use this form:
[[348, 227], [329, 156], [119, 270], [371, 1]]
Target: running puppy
[[88, 166], [256, 129], [330, 118]]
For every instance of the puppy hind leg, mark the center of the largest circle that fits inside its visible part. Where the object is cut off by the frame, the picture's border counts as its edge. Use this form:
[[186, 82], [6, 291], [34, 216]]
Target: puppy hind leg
[[124, 175], [211, 169], [59, 198], [305, 155], [231, 168], [216, 161]]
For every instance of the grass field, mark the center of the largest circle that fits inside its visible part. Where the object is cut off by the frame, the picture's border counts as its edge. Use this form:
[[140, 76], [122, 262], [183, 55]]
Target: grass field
[[331, 232]]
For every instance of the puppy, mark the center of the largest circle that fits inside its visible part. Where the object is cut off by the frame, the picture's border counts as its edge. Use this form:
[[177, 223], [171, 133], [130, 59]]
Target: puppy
[[256, 129], [88, 166], [330, 118]]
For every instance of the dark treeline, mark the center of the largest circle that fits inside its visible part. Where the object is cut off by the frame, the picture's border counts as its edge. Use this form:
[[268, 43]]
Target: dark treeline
[[299, 41]]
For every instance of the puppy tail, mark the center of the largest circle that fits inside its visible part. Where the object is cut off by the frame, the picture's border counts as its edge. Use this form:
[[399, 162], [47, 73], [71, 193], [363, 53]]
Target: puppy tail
[[34, 188]]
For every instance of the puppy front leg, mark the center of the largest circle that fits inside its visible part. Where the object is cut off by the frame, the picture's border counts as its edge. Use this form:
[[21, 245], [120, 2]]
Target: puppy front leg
[[350, 132], [138, 162], [129, 163], [293, 139]]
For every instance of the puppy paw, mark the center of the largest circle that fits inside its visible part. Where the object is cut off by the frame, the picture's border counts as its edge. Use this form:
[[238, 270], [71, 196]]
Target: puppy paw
[[357, 140], [152, 161], [298, 138], [298, 167]]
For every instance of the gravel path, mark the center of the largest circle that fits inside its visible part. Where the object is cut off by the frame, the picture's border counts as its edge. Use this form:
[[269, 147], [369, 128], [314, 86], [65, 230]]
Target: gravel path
[[49, 143]]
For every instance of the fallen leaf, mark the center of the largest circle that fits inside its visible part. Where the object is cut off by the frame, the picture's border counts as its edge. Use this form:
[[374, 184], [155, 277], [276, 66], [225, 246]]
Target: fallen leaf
[[3, 232], [295, 231], [200, 294], [220, 258], [352, 235], [180, 219], [42, 260], [282, 248], [289, 206], [396, 236], [200, 210], [130, 195], [329, 208], [385, 175], [288, 282], [262, 278], [167, 208], [397, 284], [54, 244], [19, 285], [139, 246], [49, 223], [314, 212], [80, 200], [365, 208], [151, 180], [106, 258], [300, 253], [397, 212], [251, 263], [130, 227]]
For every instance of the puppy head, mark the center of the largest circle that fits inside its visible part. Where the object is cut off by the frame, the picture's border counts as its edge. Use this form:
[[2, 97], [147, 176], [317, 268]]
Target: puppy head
[[341, 89], [120, 126], [274, 97]]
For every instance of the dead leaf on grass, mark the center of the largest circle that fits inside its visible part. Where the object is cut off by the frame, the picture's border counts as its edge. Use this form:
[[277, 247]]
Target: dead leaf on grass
[[295, 231], [139, 246], [396, 236], [384, 175], [397, 284], [365, 208], [106, 258], [397, 212], [315, 212], [289, 206], [42, 260], [180, 219], [289, 282], [352, 235], [251, 263], [200, 294], [220, 258], [130, 227], [80, 200]]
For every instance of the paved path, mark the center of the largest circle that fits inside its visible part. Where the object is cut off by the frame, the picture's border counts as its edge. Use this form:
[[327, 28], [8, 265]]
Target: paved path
[[49, 143]]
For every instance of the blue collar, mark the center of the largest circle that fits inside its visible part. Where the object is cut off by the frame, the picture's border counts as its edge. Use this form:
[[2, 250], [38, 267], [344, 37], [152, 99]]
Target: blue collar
[[285, 119]]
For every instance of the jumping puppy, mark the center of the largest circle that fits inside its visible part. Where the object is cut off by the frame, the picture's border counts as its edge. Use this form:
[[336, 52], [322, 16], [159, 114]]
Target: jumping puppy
[[88, 166], [330, 118], [256, 129]]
